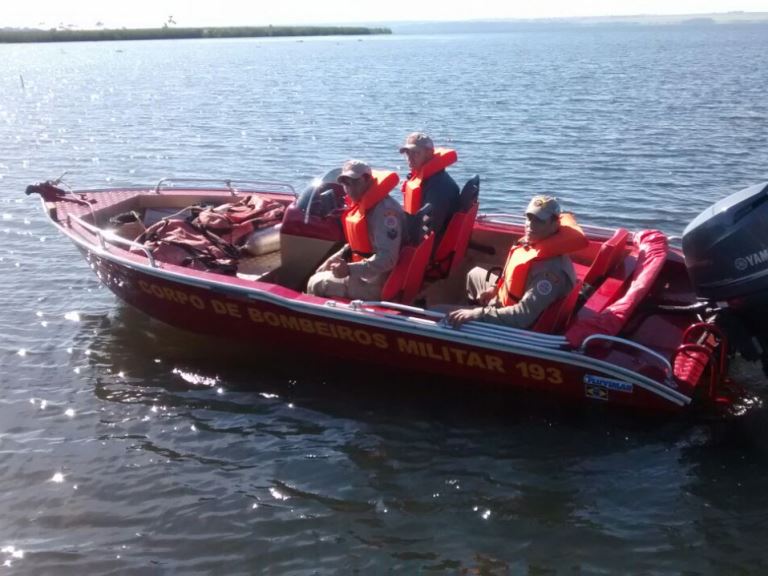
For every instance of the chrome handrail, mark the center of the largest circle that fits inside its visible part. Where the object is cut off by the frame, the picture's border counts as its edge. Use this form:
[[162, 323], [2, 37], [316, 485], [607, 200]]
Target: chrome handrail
[[512, 335], [664, 361], [675, 241], [107, 236], [395, 306], [502, 333], [434, 314], [510, 215], [278, 187]]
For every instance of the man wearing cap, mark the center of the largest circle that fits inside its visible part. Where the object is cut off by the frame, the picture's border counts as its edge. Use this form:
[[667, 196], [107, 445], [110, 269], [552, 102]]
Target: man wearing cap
[[373, 230], [537, 272], [428, 182]]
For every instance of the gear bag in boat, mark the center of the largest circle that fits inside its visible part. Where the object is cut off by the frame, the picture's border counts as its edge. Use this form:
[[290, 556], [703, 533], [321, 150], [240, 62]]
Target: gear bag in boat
[[211, 239]]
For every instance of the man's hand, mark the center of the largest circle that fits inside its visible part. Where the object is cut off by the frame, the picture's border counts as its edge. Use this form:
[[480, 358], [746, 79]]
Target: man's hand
[[462, 315], [487, 295], [339, 268], [328, 263]]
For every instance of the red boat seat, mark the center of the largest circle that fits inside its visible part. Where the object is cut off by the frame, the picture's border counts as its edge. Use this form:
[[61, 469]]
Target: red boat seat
[[607, 257], [603, 314], [557, 317], [453, 245], [404, 282]]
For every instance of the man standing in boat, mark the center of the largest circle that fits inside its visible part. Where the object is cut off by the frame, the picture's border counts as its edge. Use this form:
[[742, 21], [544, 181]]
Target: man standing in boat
[[428, 182], [537, 273], [373, 230]]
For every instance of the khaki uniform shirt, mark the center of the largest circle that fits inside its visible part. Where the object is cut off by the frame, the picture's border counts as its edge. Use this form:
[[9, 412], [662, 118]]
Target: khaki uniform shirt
[[385, 231], [367, 277], [548, 280]]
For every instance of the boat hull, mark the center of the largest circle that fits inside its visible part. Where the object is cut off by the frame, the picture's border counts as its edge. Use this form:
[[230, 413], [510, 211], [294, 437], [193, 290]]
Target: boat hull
[[274, 322], [646, 367]]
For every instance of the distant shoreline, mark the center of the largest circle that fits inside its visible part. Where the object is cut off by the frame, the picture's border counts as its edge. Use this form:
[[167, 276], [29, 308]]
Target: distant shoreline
[[23, 35]]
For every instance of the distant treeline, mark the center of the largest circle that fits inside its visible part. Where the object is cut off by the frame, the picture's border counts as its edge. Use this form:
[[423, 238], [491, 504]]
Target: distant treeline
[[9, 35]]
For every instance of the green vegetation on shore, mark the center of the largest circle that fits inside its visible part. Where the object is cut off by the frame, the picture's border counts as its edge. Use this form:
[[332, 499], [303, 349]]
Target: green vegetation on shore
[[12, 35]]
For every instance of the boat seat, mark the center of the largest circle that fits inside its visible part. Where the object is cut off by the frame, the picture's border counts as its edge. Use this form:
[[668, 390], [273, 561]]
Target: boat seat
[[598, 288], [404, 282], [609, 318], [557, 317], [453, 245], [607, 257]]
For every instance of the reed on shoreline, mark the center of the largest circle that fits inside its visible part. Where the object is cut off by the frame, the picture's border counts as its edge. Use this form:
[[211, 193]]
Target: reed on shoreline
[[15, 35]]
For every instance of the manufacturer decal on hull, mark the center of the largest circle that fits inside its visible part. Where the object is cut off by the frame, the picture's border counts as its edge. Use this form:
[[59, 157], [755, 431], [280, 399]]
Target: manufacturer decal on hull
[[608, 384]]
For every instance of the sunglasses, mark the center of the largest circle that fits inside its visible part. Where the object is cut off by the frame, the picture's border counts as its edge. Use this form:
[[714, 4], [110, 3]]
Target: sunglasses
[[535, 219]]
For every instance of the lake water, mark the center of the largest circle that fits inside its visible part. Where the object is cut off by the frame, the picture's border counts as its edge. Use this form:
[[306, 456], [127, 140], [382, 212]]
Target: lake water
[[130, 448]]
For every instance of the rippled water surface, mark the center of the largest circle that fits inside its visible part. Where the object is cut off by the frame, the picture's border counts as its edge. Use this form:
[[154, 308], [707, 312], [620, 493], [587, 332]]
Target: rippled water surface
[[131, 448]]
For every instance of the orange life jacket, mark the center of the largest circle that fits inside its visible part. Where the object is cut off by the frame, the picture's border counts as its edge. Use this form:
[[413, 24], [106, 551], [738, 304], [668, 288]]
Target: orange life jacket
[[354, 218], [569, 238], [443, 158]]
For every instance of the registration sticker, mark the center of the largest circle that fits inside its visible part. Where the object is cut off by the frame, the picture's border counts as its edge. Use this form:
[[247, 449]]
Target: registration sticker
[[608, 384]]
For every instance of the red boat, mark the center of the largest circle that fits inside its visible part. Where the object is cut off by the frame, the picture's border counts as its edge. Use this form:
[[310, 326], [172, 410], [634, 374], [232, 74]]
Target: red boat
[[648, 325]]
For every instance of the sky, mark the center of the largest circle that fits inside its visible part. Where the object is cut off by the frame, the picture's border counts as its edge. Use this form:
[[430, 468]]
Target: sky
[[155, 13]]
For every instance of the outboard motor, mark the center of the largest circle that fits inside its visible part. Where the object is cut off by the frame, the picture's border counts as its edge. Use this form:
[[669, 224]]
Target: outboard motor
[[726, 254]]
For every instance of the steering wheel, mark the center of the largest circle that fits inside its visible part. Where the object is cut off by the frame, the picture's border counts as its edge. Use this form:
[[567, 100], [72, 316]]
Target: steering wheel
[[327, 199]]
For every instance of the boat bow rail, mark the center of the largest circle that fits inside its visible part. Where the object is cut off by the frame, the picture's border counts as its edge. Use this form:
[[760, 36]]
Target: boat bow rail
[[106, 237], [230, 184]]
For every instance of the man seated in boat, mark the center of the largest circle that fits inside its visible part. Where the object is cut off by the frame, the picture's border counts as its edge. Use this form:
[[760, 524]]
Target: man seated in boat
[[428, 182], [373, 230], [537, 272]]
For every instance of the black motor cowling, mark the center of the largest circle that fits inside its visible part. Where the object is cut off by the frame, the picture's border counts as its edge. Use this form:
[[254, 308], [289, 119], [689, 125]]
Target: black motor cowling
[[726, 246], [726, 254]]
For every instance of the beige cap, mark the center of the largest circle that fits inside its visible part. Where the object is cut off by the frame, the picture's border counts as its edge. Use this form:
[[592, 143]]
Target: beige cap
[[543, 207], [417, 140], [354, 169]]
